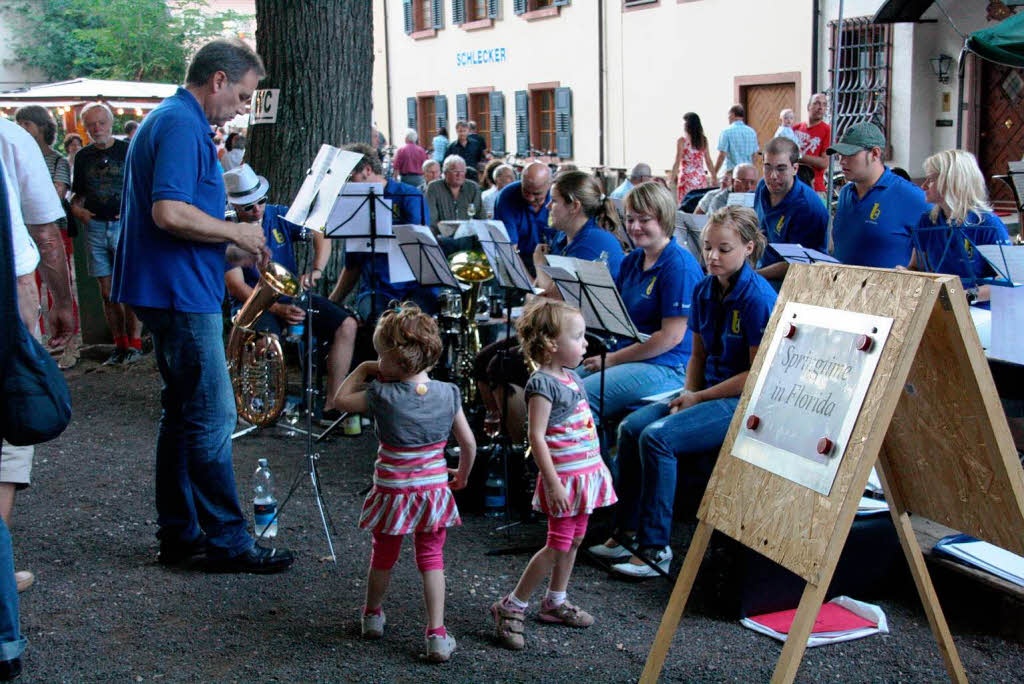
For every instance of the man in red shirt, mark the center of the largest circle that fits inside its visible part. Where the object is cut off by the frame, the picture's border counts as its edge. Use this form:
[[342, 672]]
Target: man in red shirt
[[409, 160], [815, 137]]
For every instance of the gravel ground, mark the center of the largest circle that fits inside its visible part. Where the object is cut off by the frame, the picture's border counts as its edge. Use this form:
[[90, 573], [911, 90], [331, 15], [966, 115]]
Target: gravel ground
[[102, 609]]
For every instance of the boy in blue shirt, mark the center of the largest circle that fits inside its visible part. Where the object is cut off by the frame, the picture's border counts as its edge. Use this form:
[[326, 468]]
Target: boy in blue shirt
[[877, 209]]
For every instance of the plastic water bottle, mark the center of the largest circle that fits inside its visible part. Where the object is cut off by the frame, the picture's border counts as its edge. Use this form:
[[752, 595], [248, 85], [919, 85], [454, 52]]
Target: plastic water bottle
[[494, 489], [603, 258], [297, 330], [264, 505]]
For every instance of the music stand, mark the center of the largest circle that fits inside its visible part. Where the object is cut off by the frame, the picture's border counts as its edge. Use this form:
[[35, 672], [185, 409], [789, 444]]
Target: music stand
[[1007, 261], [795, 253]]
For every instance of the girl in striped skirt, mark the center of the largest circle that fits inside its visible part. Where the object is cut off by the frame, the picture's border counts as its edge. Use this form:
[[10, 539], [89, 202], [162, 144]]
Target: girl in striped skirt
[[411, 493], [573, 479]]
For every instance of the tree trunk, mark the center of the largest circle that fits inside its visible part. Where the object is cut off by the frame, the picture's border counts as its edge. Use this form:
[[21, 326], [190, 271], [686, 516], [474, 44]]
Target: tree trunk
[[319, 53]]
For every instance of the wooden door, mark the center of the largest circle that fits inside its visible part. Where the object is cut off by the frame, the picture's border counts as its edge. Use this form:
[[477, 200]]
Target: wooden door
[[763, 103], [1000, 124]]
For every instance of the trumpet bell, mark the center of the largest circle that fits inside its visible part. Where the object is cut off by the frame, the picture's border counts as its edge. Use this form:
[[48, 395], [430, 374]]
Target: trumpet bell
[[470, 266]]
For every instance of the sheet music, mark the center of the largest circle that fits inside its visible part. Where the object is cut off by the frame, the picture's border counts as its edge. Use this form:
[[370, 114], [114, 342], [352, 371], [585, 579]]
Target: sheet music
[[742, 199], [591, 289], [1007, 260], [795, 253], [315, 198], [565, 263], [479, 228], [425, 257], [502, 255], [1007, 322], [351, 216]]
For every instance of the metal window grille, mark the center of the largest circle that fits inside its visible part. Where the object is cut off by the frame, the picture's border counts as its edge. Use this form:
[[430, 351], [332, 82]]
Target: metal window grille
[[865, 74]]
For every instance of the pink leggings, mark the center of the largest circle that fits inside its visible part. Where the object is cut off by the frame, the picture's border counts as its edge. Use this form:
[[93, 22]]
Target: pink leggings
[[562, 531], [429, 550]]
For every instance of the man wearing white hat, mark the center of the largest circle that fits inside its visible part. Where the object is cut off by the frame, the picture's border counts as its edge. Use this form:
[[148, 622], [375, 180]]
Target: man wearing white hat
[[247, 193]]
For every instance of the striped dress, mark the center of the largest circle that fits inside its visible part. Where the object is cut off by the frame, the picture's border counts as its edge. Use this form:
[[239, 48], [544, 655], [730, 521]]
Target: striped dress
[[572, 441], [410, 479]]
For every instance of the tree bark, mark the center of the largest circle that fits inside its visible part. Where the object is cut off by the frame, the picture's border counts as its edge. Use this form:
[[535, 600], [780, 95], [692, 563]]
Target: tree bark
[[319, 53]]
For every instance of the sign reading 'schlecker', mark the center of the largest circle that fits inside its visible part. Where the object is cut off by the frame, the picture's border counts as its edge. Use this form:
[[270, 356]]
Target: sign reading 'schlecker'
[[806, 399], [468, 58]]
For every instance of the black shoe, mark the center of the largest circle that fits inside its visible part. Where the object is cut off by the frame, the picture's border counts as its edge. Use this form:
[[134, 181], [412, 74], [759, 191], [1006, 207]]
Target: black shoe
[[116, 358], [10, 669], [131, 356], [328, 417], [259, 560], [174, 553]]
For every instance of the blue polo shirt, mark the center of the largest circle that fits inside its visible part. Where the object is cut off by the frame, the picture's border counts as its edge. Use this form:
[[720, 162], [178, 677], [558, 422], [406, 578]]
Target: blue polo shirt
[[172, 157], [525, 227], [875, 230], [730, 326], [801, 217], [662, 291], [409, 207], [951, 249], [588, 244]]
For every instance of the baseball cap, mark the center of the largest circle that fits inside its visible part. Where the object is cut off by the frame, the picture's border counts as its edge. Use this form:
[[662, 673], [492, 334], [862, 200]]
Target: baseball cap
[[862, 136]]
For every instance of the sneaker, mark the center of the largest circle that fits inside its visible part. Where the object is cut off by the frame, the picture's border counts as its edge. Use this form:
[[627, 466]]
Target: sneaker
[[24, 579], [508, 626], [565, 614], [440, 648], [373, 626], [606, 552], [661, 557], [259, 560], [116, 358], [131, 355]]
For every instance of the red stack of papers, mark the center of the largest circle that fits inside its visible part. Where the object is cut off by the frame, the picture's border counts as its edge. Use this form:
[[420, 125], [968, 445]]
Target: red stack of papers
[[841, 619]]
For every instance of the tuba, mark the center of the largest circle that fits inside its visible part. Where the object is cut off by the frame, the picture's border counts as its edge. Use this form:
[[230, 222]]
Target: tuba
[[255, 359], [471, 267]]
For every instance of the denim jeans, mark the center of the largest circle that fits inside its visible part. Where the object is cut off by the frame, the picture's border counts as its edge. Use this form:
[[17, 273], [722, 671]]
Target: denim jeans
[[12, 644], [652, 443], [195, 479]]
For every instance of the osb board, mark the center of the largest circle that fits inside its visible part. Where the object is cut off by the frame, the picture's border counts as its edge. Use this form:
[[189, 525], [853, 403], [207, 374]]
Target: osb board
[[790, 524], [949, 449]]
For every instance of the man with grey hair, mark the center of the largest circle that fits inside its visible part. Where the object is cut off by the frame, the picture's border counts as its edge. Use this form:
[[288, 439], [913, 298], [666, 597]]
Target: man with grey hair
[[170, 268], [640, 174], [96, 203], [453, 198], [431, 172], [503, 175], [744, 179], [408, 163]]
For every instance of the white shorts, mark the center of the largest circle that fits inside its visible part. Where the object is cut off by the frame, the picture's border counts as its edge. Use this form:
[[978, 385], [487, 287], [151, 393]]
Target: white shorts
[[16, 465]]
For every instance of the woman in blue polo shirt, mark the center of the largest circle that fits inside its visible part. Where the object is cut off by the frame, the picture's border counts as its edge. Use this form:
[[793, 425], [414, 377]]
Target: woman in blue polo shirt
[[961, 218], [731, 307], [656, 282]]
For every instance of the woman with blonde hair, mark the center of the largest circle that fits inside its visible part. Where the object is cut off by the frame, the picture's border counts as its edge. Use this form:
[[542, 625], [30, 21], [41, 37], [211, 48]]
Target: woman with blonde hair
[[961, 218]]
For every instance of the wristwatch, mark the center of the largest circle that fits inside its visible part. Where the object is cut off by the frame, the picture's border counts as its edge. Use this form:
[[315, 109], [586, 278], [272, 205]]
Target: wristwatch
[[972, 294]]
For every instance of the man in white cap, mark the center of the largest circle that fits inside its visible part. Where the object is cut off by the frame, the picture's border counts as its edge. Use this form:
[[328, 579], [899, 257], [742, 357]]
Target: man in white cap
[[247, 193]]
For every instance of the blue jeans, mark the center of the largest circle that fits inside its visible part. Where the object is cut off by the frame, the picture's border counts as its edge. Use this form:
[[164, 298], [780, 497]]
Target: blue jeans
[[102, 237], [12, 644], [652, 442], [195, 479], [625, 387]]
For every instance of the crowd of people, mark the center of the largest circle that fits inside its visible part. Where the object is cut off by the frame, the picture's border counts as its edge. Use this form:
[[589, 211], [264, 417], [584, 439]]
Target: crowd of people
[[165, 255]]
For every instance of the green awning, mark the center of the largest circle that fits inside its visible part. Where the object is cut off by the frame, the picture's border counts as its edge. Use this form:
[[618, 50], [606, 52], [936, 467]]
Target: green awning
[[1002, 43]]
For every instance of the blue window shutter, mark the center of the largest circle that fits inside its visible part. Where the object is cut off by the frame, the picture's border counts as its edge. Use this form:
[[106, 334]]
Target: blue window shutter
[[411, 111], [458, 12], [563, 122], [440, 111], [519, 6], [407, 14], [437, 10], [462, 107], [522, 123], [492, 9], [497, 106]]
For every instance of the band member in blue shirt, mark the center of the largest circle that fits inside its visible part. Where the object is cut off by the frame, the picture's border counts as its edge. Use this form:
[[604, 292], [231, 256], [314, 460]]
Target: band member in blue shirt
[[247, 193], [656, 282], [877, 209], [523, 208], [788, 209], [961, 218], [730, 310]]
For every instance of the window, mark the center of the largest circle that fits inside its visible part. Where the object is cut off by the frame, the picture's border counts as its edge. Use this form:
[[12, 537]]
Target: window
[[427, 118], [535, 9], [422, 17], [476, 10], [480, 112], [539, 4], [542, 137], [865, 68]]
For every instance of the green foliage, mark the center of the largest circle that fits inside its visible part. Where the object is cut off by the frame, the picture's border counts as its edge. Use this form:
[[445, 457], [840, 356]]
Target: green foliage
[[132, 40]]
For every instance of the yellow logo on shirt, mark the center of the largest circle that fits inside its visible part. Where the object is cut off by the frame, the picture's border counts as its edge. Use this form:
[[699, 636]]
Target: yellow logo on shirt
[[969, 248], [876, 211], [650, 286], [278, 236], [735, 322], [778, 225]]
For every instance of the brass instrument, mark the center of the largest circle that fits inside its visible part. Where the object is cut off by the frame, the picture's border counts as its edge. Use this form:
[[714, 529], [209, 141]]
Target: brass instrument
[[255, 359], [472, 267]]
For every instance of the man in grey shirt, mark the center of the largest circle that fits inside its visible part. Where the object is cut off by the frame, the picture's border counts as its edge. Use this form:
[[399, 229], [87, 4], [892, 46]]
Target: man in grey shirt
[[744, 179], [452, 197]]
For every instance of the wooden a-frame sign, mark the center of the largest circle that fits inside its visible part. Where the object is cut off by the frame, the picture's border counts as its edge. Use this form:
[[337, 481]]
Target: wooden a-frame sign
[[931, 419]]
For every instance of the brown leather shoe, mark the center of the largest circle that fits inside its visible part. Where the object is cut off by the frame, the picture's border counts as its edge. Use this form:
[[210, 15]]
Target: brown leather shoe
[[24, 579]]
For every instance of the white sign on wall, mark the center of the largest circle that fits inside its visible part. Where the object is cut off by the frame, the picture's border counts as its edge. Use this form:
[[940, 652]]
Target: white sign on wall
[[263, 108]]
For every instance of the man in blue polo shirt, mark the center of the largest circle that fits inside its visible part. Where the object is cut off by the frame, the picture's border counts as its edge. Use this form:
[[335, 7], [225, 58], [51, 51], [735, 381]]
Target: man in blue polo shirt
[[169, 266], [877, 209], [788, 210], [409, 207], [523, 208]]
